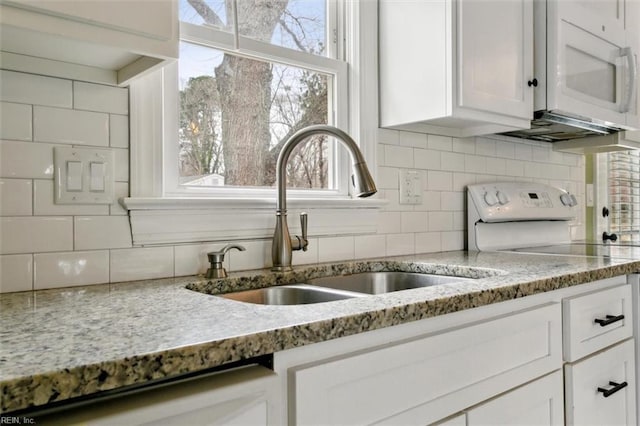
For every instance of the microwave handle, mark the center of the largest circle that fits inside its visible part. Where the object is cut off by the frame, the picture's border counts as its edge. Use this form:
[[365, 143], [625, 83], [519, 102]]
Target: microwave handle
[[633, 78]]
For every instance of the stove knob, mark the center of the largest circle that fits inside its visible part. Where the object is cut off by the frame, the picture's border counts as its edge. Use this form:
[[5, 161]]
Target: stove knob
[[490, 198], [565, 199], [502, 197]]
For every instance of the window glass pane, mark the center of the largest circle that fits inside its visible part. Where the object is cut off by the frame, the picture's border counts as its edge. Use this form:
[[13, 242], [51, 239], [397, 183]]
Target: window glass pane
[[236, 112], [207, 12], [624, 195]]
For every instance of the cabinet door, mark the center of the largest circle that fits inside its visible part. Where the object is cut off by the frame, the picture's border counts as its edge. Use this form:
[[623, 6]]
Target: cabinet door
[[495, 56], [537, 403], [600, 390], [431, 377]]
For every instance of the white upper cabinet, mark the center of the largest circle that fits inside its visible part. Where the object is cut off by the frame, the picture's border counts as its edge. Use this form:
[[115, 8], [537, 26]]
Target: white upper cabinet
[[100, 40], [456, 67]]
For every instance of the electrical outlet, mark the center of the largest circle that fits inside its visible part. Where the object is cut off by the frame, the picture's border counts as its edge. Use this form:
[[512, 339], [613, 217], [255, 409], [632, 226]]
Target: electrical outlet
[[410, 187]]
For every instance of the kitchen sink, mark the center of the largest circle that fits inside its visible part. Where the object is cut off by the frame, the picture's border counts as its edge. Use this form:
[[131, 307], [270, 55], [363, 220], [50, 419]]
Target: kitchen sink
[[295, 294], [384, 282]]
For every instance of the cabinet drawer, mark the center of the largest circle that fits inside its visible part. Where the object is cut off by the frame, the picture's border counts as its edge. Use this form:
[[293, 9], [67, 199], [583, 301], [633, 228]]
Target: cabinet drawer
[[428, 378], [587, 381], [596, 320]]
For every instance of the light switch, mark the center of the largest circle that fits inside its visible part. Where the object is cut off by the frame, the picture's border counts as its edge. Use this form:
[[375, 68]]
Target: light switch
[[83, 175], [97, 176], [74, 176]]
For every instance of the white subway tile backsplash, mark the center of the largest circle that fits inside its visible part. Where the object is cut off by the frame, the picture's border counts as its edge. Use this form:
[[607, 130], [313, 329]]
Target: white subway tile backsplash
[[336, 249], [514, 168], [387, 178], [26, 160], [440, 143], [54, 270], [475, 164], [15, 121], [461, 180], [464, 145], [427, 159], [16, 273], [121, 166], [389, 222], [431, 201], [388, 137], [400, 244], [440, 221], [97, 97], [428, 242], [15, 197], [256, 256], [523, 152], [505, 149], [439, 181], [541, 155], [34, 89], [370, 246], [486, 147], [43, 203], [452, 161], [459, 221], [101, 232], [413, 222], [453, 240], [398, 156], [119, 131], [415, 140], [70, 126], [452, 201], [141, 264], [20, 234], [496, 166]]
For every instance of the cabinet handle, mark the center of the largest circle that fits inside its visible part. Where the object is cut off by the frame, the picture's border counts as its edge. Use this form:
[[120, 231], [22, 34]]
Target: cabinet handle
[[616, 387], [533, 82], [610, 320]]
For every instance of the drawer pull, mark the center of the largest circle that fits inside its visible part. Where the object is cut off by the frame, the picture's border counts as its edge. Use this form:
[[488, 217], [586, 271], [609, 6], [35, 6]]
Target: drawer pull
[[610, 320], [616, 387]]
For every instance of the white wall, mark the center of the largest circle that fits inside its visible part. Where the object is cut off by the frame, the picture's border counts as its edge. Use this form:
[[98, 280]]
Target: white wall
[[43, 245]]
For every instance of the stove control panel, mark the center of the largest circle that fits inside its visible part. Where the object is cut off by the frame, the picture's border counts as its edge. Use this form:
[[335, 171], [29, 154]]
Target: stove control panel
[[513, 201]]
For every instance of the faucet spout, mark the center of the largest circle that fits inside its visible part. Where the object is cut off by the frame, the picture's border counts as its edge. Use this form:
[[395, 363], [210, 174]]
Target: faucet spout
[[283, 244]]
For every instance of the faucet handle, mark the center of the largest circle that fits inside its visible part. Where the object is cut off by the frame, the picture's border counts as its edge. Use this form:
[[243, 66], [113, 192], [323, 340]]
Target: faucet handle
[[303, 225]]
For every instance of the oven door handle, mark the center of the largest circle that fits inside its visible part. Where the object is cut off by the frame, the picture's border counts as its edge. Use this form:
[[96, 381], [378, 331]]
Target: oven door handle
[[633, 76]]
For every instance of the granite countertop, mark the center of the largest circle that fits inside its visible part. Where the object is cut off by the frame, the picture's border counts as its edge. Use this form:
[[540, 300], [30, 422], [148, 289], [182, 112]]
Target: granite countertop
[[60, 344]]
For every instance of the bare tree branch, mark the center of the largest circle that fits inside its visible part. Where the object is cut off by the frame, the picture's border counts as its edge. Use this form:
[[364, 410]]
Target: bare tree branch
[[209, 16], [293, 35]]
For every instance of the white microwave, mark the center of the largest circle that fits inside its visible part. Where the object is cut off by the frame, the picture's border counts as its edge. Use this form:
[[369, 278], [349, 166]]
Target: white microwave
[[585, 67]]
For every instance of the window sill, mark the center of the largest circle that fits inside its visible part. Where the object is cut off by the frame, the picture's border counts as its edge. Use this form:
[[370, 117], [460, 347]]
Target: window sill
[[157, 221]]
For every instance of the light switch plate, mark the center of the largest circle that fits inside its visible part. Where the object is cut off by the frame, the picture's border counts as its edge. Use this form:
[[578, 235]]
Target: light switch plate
[[410, 187], [83, 175]]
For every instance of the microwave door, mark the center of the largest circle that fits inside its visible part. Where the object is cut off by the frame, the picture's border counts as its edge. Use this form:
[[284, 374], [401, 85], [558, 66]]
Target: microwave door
[[592, 75]]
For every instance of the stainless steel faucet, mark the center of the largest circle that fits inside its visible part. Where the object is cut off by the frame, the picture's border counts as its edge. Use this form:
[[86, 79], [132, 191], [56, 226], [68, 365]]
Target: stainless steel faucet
[[283, 244]]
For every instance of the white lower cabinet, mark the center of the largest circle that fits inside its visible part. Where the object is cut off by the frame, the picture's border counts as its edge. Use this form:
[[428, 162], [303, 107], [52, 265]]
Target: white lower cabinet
[[601, 389], [427, 378], [537, 403], [233, 398]]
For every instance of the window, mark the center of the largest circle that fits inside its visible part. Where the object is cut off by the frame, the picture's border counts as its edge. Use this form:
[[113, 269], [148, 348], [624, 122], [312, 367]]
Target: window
[[623, 185], [244, 87]]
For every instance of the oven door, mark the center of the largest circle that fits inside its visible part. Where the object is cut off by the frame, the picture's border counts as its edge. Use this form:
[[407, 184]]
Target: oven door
[[591, 70]]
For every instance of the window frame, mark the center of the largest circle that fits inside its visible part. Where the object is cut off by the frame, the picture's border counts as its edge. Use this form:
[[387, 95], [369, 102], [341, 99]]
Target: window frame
[[151, 209], [334, 64]]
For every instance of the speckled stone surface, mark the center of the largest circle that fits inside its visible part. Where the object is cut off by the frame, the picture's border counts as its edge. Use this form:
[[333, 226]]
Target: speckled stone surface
[[61, 344]]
